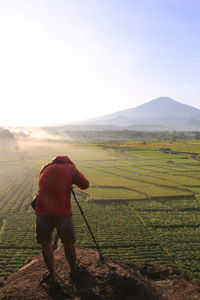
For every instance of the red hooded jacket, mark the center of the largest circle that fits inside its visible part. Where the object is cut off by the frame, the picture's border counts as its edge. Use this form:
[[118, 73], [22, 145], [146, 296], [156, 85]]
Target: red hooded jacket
[[56, 178]]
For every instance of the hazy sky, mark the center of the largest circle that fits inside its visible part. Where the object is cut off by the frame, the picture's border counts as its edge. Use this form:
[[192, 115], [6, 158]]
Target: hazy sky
[[63, 60]]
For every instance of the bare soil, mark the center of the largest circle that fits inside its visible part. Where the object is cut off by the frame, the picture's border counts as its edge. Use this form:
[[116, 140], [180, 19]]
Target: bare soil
[[108, 280]]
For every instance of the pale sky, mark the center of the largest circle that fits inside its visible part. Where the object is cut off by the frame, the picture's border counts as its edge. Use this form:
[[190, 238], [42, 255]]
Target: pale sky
[[65, 60]]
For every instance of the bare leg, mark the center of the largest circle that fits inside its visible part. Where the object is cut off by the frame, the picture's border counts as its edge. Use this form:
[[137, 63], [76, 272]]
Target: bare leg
[[70, 254], [47, 253]]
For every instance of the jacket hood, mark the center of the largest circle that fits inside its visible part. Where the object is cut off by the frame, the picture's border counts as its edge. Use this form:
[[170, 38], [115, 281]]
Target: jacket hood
[[62, 160]]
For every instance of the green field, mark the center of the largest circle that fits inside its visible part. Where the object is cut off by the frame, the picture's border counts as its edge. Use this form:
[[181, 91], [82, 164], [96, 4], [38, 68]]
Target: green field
[[142, 205]]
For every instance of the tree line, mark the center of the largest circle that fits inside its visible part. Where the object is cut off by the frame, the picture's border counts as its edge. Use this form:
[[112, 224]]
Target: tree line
[[133, 134]]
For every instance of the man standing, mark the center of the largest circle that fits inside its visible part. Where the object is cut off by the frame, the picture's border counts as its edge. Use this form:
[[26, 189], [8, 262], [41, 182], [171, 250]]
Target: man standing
[[53, 210]]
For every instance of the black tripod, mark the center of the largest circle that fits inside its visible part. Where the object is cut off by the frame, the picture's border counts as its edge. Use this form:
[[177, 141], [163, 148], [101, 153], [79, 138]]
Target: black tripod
[[88, 226]]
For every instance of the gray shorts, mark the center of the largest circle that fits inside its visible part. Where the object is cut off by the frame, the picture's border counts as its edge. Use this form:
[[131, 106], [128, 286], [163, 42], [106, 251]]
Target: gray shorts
[[46, 224]]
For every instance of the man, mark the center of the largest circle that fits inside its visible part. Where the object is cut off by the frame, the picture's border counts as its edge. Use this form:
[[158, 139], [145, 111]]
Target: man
[[53, 210]]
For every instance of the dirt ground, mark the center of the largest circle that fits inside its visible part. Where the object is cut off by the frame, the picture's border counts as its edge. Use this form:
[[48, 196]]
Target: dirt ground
[[108, 280]]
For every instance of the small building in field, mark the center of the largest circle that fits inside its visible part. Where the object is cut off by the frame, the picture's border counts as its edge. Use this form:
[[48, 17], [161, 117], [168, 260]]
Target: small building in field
[[166, 151]]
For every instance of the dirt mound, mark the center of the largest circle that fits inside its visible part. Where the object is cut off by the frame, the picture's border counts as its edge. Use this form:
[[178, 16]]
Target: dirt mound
[[110, 280]]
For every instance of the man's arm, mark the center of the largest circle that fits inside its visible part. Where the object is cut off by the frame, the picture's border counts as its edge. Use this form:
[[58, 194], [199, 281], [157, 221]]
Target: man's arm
[[80, 180]]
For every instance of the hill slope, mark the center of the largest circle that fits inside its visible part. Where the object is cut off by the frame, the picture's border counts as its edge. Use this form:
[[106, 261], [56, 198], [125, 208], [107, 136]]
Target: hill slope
[[104, 281], [8, 142]]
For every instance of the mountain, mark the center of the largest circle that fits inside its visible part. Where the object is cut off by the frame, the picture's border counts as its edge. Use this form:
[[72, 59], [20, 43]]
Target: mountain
[[163, 113], [110, 280]]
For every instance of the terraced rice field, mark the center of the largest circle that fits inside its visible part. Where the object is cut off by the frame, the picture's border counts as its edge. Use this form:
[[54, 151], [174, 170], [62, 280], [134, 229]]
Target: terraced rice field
[[142, 205]]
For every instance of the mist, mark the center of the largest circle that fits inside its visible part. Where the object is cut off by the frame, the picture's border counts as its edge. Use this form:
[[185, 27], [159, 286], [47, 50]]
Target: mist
[[36, 133]]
